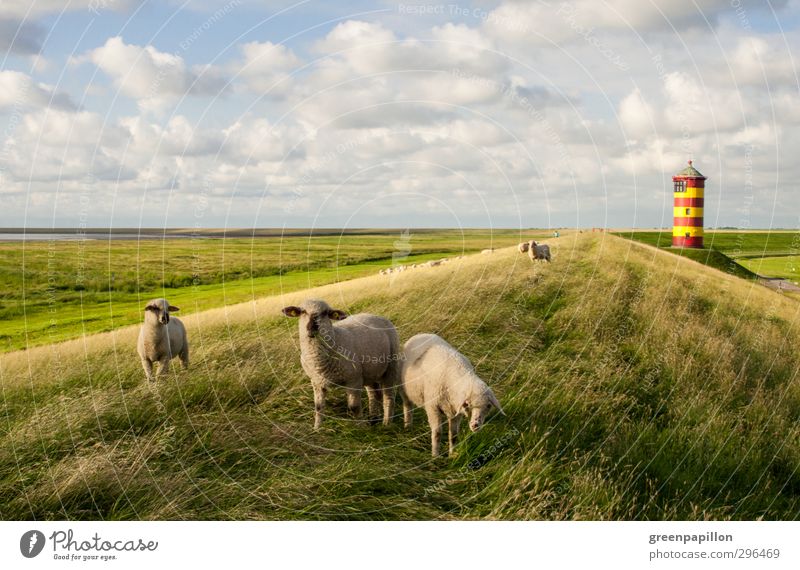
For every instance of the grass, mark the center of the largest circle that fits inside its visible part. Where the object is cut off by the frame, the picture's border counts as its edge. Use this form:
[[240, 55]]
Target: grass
[[56, 290], [638, 385], [737, 253], [785, 267]]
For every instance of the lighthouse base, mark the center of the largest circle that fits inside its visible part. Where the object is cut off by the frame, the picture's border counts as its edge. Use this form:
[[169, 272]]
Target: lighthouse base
[[682, 241]]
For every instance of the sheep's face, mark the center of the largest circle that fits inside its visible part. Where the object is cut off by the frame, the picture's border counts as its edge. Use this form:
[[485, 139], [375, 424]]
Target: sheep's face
[[314, 315], [478, 408], [160, 309]]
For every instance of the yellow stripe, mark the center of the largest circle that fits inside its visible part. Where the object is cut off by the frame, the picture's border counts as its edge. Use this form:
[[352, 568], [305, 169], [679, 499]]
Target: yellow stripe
[[680, 212], [683, 230], [690, 193]]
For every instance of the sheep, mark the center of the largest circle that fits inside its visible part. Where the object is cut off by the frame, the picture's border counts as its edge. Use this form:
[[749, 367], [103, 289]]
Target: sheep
[[363, 351], [161, 338], [539, 251], [433, 263], [438, 378], [523, 247], [487, 250]]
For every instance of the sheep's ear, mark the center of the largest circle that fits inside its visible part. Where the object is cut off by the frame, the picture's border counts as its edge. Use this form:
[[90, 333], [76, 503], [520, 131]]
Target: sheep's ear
[[495, 403], [171, 308], [337, 315], [292, 311]]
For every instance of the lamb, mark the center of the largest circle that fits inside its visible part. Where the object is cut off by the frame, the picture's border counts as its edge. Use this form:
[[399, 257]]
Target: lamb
[[363, 351], [438, 378], [161, 338], [487, 250], [523, 247], [539, 251]]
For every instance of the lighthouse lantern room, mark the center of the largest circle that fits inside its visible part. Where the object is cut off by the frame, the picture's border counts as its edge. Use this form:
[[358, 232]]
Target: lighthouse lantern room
[[687, 229]]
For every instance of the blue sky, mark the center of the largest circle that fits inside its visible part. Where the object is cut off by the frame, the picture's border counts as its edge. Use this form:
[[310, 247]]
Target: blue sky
[[395, 114]]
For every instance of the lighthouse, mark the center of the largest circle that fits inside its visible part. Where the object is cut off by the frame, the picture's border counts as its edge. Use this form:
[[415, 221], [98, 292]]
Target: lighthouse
[[687, 227]]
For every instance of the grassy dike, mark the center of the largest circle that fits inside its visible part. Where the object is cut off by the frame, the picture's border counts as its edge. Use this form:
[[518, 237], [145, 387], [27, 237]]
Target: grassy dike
[[638, 385]]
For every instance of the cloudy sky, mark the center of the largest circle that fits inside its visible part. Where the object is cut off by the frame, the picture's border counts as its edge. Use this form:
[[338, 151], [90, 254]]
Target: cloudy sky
[[238, 113]]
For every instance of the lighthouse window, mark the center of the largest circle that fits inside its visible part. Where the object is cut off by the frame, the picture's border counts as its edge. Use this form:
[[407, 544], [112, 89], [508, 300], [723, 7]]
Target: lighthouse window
[[688, 211], [680, 186]]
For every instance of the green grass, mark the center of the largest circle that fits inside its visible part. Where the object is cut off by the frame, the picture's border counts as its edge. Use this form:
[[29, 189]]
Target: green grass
[[53, 291], [734, 252], [634, 388], [785, 267]]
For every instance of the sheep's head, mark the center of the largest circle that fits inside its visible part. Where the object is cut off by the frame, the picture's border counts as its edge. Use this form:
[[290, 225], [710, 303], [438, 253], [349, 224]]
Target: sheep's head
[[477, 407], [160, 310], [314, 314]]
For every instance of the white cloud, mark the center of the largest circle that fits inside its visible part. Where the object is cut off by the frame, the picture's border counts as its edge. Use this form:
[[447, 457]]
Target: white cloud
[[20, 91], [266, 68], [154, 78]]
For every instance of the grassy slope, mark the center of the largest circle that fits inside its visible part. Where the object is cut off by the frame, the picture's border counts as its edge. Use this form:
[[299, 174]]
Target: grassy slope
[[719, 251], [70, 288], [637, 385]]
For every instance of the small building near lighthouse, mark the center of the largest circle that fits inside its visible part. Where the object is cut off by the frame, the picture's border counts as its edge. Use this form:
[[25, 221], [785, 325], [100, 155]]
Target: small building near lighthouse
[[687, 227]]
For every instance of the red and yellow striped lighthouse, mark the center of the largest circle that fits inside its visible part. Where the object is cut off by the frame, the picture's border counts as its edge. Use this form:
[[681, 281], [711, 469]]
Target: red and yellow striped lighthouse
[[687, 228]]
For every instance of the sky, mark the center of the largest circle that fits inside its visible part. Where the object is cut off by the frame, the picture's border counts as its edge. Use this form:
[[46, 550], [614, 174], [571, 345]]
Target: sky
[[236, 113]]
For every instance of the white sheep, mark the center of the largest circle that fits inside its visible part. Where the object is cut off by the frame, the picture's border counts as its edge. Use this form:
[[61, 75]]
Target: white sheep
[[487, 250], [539, 251], [161, 338], [523, 247], [438, 378], [361, 352]]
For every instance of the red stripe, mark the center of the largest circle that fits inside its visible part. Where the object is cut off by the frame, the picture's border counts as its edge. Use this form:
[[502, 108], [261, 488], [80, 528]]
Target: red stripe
[[678, 241], [695, 183], [688, 202], [693, 222]]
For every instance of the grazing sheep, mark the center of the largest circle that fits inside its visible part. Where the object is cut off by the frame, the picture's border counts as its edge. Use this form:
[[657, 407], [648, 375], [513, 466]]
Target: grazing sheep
[[433, 263], [539, 251], [523, 247], [161, 338], [441, 380], [487, 250], [361, 352]]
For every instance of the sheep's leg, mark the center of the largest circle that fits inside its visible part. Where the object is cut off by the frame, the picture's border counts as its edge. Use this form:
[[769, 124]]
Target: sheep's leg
[[435, 421], [147, 364], [388, 404], [453, 425], [184, 356], [374, 409], [319, 405], [408, 410], [354, 402], [163, 367]]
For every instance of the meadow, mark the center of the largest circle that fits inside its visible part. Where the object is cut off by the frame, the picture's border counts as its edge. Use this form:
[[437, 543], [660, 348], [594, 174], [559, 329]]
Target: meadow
[[744, 253], [52, 291], [637, 385]]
